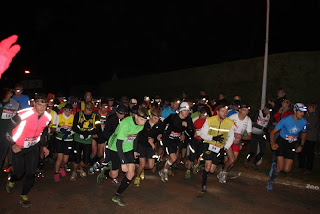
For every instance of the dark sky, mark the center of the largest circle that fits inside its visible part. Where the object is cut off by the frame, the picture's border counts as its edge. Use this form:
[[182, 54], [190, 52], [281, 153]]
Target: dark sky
[[93, 39]]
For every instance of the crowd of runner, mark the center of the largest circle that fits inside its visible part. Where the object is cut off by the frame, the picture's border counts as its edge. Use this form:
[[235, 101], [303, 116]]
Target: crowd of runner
[[105, 137]]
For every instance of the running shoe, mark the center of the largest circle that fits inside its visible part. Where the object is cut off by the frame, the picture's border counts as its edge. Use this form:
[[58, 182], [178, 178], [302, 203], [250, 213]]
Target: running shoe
[[270, 185], [187, 175], [10, 186], [91, 170], [82, 173], [118, 199], [63, 172], [273, 166], [73, 176], [246, 164], [9, 169], [56, 177], [194, 170], [24, 201], [68, 167], [96, 167], [222, 177], [142, 175], [101, 177], [204, 189], [40, 174], [137, 181], [166, 176], [115, 181], [161, 174]]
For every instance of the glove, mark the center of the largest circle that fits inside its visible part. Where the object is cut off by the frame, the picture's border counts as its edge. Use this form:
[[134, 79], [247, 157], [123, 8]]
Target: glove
[[65, 137], [85, 134], [63, 130], [218, 138], [7, 52]]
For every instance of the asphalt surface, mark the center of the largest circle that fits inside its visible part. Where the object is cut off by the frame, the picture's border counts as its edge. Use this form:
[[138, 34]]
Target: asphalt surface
[[238, 195]]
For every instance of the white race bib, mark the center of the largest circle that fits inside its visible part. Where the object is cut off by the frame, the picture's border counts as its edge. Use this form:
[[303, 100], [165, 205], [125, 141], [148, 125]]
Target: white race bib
[[30, 141], [130, 138], [8, 114], [214, 148]]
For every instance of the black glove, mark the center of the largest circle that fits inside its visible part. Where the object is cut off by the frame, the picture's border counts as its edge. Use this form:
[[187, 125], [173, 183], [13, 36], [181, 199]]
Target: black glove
[[85, 134], [218, 138]]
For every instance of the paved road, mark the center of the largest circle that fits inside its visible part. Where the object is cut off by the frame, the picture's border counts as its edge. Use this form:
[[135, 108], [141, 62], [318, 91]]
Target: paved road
[[239, 195]]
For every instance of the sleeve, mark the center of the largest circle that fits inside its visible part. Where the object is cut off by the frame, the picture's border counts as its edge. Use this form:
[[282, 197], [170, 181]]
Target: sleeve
[[203, 132], [120, 151], [305, 126], [249, 127], [277, 116], [97, 128], [44, 137], [108, 130], [56, 119], [135, 144], [230, 138], [75, 123]]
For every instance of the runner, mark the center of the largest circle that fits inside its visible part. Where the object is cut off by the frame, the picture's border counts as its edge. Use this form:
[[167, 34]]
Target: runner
[[259, 132], [215, 132], [85, 125], [290, 128], [110, 126], [8, 109], [170, 110], [21, 98], [32, 129], [64, 141], [242, 124], [175, 126], [98, 141], [122, 145], [196, 146], [147, 144]]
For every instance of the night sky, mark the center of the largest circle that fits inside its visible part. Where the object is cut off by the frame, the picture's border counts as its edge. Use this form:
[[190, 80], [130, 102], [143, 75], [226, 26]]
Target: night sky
[[88, 40]]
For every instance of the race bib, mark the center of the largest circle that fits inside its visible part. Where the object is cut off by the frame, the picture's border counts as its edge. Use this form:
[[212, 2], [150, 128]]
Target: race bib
[[291, 138], [174, 135], [214, 148], [8, 114], [30, 141], [130, 138]]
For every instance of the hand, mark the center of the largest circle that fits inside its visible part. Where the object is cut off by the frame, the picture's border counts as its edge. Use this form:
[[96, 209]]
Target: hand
[[271, 103], [182, 137], [85, 134], [218, 138], [299, 149], [124, 168], [16, 148], [64, 137], [63, 130], [159, 138], [7, 52], [274, 146], [45, 151], [136, 155], [150, 140], [184, 123], [153, 146]]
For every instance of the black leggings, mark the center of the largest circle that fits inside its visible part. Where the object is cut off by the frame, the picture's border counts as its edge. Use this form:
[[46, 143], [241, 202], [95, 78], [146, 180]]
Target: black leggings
[[25, 162], [306, 157], [78, 149], [255, 140]]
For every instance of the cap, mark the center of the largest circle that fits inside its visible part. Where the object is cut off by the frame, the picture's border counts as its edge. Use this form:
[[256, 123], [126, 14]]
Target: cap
[[184, 106], [133, 101], [134, 109], [122, 109], [300, 107], [143, 112], [245, 106], [236, 103]]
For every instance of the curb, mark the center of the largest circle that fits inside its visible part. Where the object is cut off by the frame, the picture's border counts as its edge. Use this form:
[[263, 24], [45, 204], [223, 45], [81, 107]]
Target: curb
[[301, 185]]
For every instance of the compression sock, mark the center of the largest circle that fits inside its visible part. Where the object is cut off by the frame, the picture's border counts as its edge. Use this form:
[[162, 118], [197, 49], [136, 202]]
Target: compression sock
[[92, 160], [274, 175], [124, 185], [204, 177]]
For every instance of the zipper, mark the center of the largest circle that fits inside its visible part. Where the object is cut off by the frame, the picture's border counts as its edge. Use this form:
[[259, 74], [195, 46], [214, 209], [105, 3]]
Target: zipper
[[36, 130]]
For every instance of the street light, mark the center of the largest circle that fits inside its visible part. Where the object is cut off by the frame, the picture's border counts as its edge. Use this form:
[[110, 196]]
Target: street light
[[27, 72]]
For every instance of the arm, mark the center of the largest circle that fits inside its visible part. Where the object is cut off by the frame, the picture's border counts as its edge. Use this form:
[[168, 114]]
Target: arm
[[274, 146], [44, 137], [120, 152], [230, 138], [203, 132]]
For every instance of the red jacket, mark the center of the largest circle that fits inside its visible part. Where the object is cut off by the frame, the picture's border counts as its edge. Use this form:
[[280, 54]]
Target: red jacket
[[29, 130], [277, 116]]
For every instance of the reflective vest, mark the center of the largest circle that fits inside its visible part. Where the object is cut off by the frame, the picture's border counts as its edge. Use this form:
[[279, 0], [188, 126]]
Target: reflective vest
[[29, 131], [85, 125], [65, 123], [217, 127]]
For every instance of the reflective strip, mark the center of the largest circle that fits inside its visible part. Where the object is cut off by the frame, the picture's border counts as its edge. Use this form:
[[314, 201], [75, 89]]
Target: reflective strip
[[24, 110], [223, 130], [19, 131], [191, 149], [26, 115], [48, 115], [167, 150]]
